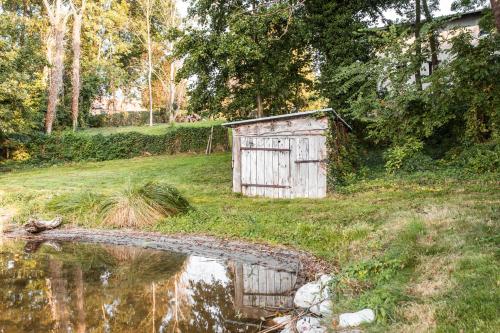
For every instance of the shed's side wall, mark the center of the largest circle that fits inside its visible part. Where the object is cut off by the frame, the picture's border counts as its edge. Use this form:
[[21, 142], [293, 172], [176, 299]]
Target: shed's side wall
[[305, 138]]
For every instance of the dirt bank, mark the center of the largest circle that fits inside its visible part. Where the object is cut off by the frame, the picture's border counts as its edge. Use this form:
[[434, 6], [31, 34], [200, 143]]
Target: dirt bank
[[270, 256]]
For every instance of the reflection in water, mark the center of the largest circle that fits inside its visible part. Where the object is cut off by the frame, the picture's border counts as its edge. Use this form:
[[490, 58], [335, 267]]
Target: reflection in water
[[70, 287]]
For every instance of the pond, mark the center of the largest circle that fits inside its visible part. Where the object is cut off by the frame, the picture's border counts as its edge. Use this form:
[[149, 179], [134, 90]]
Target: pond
[[84, 287]]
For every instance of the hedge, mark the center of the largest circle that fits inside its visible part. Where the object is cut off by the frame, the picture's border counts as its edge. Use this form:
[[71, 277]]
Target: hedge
[[126, 119], [73, 147]]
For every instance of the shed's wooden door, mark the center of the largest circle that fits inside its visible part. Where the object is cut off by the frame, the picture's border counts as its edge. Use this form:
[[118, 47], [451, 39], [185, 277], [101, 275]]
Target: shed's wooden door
[[265, 166], [309, 167]]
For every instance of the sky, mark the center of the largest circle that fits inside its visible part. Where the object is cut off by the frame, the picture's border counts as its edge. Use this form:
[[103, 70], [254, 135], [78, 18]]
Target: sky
[[445, 8]]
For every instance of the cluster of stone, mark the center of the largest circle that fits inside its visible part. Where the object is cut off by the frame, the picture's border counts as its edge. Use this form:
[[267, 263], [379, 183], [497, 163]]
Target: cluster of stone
[[316, 298]]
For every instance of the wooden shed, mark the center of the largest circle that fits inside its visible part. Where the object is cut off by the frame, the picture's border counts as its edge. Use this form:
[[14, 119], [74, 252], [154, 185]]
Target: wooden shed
[[282, 156]]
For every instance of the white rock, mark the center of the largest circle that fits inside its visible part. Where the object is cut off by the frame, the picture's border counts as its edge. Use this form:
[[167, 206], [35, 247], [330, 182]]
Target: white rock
[[322, 309], [356, 318], [310, 325], [284, 319], [313, 293]]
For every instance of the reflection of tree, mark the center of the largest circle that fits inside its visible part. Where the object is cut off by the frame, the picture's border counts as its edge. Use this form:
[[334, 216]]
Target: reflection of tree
[[145, 291], [57, 296], [80, 301]]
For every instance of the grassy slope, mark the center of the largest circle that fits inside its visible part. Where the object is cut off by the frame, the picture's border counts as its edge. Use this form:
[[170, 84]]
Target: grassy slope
[[157, 129], [422, 250]]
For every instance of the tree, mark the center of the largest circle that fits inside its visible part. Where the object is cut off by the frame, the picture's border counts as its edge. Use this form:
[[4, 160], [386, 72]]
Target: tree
[[418, 46], [22, 87], [245, 58], [170, 20], [75, 78], [433, 38], [340, 34], [58, 14], [147, 10]]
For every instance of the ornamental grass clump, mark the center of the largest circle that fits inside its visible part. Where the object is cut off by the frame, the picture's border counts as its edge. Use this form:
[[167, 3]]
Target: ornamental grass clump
[[139, 206]]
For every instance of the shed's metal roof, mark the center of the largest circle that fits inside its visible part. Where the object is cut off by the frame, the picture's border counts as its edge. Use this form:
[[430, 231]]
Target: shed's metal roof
[[286, 116]]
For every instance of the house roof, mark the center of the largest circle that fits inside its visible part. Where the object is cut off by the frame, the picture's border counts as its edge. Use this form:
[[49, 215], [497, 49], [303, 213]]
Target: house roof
[[287, 116]]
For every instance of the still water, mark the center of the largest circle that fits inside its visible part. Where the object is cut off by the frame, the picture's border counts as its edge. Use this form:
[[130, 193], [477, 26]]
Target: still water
[[81, 287]]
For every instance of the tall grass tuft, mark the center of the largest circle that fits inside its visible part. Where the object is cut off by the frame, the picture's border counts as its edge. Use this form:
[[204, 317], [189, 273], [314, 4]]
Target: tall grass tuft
[[139, 206]]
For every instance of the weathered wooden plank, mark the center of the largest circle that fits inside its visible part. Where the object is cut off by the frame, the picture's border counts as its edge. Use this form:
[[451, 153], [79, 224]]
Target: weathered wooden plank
[[283, 167], [236, 164], [276, 166], [260, 165], [264, 149], [265, 185], [293, 167], [268, 169], [302, 169], [245, 170], [290, 127], [253, 165], [312, 178], [322, 168]]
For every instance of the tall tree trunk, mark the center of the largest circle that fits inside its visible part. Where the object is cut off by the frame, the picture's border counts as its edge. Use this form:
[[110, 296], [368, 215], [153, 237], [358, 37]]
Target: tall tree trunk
[[260, 112], [258, 97], [172, 68], [418, 46], [58, 16], [75, 78], [433, 38], [150, 60], [495, 7], [172, 92]]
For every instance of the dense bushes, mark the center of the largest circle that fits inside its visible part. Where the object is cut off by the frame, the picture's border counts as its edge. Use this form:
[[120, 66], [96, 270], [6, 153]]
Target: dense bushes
[[126, 119], [68, 146]]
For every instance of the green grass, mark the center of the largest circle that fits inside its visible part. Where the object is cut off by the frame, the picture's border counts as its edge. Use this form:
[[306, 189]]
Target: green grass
[[156, 129], [420, 249]]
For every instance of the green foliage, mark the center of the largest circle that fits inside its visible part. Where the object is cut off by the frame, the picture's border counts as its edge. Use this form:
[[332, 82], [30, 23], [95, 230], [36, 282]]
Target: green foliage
[[126, 119], [343, 155], [378, 283], [400, 156], [74, 147], [140, 206], [21, 81], [244, 50], [478, 158]]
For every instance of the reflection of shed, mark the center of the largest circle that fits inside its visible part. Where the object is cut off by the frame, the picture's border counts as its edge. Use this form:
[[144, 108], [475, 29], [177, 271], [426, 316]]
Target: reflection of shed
[[282, 156], [258, 288]]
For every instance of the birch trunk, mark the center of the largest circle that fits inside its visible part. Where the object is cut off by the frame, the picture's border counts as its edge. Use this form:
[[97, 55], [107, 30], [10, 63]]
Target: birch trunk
[[172, 69], [75, 78], [148, 5], [58, 16]]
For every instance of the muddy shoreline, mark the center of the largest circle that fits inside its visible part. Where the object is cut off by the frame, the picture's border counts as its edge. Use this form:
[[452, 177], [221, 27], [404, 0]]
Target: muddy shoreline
[[306, 265]]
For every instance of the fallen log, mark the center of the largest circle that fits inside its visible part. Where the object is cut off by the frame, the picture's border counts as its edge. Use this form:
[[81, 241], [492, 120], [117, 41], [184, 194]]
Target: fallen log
[[35, 226]]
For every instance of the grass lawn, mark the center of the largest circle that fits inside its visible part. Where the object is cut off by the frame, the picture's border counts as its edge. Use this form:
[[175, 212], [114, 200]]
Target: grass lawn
[[156, 129], [422, 249]]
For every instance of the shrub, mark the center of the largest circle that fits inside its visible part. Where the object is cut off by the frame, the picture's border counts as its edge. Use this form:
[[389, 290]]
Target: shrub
[[74, 147], [398, 156], [139, 206], [127, 119], [343, 155], [478, 158]]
